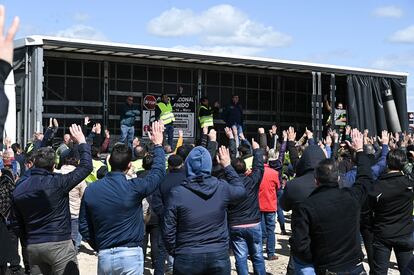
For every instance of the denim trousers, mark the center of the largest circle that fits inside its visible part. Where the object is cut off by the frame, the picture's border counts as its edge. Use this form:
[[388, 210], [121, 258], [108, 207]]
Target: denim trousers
[[302, 268], [280, 214], [161, 256], [127, 135], [121, 261], [247, 241], [212, 263], [169, 131], [76, 236], [268, 229]]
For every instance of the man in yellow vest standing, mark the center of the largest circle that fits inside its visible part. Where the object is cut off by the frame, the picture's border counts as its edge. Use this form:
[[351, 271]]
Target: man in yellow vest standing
[[205, 114], [164, 113]]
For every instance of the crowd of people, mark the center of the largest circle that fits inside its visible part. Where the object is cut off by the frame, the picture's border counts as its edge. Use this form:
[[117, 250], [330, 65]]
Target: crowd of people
[[198, 202]]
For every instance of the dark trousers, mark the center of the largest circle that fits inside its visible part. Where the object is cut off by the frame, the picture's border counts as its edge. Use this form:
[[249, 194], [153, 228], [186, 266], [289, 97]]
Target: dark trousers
[[403, 249], [214, 263], [15, 257], [368, 238], [169, 131], [152, 233]]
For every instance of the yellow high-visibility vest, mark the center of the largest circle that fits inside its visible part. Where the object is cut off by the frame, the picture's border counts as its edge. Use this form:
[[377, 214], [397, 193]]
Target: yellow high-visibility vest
[[167, 115], [205, 121], [93, 176]]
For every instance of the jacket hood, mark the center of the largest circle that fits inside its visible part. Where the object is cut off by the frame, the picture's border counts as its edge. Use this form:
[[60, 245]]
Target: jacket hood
[[203, 186], [198, 162], [311, 157]]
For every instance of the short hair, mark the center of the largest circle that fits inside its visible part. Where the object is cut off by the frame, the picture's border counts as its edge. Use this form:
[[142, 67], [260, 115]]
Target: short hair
[[327, 171], [94, 151], [71, 160], [369, 149], [15, 147], [120, 158], [30, 157], [147, 162], [244, 149], [44, 158], [184, 150], [175, 161], [204, 98], [239, 165], [140, 152], [396, 159]]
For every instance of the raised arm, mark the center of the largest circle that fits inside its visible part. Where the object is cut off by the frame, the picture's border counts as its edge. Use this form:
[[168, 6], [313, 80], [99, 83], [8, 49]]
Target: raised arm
[[262, 138], [258, 165], [85, 164], [147, 185], [232, 143]]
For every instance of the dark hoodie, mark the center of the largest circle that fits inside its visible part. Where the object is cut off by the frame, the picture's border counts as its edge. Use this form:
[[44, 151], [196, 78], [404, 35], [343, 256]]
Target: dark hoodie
[[298, 189], [195, 216]]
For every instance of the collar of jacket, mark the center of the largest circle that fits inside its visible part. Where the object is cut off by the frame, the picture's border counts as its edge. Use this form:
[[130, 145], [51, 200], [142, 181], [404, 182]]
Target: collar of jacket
[[392, 175], [325, 186], [115, 174], [40, 171], [180, 170]]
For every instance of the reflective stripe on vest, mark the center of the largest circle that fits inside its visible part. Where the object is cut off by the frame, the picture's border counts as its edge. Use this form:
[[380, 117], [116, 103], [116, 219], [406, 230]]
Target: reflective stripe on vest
[[93, 176], [167, 115], [205, 121], [249, 162]]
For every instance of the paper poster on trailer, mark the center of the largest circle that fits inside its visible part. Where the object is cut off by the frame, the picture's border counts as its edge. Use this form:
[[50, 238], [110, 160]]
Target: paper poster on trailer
[[184, 112]]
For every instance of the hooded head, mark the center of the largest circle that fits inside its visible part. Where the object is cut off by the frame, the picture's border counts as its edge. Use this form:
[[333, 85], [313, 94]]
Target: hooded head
[[311, 157], [198, 162]]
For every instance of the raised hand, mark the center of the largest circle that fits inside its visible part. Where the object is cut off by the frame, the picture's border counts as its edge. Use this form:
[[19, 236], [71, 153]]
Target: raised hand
[[55, 123], [229, 133], [180, 133], [385, 138], [255, 145], [135, 142], [285, 135], [291, 134], [86, 120], [357, 140], [223, 157], [212, 135], [156, 133], [77, 134], [98, 129], [308, 133], [107, 134], [6, 41], [261, 130]]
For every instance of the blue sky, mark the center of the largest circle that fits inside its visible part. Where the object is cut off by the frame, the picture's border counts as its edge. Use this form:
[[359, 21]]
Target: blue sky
[[370, 33]]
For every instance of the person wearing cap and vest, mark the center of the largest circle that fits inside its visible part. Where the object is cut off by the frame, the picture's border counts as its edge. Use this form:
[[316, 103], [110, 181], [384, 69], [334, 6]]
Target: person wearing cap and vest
[[205, 114], [164, 113]]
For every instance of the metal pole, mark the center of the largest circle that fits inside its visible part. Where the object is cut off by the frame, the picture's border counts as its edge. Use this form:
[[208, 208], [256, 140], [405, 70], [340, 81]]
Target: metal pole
[[319, 108], [314, 122], [333, 100], [106, 95]]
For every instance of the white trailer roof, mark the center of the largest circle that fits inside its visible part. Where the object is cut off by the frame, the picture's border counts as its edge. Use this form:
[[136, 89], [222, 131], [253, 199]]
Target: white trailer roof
[[197, 57]]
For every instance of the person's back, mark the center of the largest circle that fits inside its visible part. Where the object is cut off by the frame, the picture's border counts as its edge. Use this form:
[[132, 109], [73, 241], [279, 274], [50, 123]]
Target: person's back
[[391, 201], [326, 225], [111, 217], [195, 221], [41, 208]]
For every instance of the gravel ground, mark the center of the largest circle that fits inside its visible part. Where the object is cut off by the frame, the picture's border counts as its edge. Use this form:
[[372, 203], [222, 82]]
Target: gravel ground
[[88, 260]]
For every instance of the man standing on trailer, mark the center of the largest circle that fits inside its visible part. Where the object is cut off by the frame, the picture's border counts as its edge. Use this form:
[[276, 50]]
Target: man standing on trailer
[[164, 113], [129, 112]]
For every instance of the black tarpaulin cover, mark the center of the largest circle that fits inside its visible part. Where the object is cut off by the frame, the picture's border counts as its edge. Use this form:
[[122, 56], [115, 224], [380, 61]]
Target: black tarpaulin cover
[[377, 103]]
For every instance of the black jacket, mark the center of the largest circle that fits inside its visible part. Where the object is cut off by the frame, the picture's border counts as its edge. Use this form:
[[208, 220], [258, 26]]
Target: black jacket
[[326, 225], [233, 114], [247, 211], [195, 218], [298, 189], [391, 201]]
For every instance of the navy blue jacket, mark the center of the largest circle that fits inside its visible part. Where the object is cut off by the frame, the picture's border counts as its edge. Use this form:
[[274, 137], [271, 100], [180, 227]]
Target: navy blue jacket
[[159, 199], [247, 211], [111, 209], [41, 201], [195, 217], [233, 114]]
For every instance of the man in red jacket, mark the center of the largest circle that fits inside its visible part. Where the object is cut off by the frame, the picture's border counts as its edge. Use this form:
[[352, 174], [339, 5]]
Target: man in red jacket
[[268, 206]]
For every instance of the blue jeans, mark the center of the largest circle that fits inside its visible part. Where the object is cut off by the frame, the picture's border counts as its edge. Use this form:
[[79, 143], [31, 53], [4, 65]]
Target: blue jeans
[[76, 236], [121, 260], [303, 268], [248, 241], [213, 263], [268, 226], [169, 131], [127, 135]]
